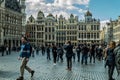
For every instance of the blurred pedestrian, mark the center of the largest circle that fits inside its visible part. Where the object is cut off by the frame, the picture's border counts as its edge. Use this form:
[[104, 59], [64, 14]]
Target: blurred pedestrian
[[60, 53], [33, 50], [24, 56], [48, 52], [43, 50], [111, 59], [99, 53], [92, 53], [117, 58], [7, 50], [85, 51], [37, 50], [78, 50], [54, 51], [69, 53], [74, 54], [3, 49]]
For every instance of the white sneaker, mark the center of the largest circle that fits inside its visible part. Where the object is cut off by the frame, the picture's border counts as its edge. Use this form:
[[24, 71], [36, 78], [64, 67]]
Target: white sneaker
[[54, 64]]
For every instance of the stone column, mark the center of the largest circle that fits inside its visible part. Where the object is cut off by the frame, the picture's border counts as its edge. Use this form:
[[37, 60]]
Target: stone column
[[2, 39]]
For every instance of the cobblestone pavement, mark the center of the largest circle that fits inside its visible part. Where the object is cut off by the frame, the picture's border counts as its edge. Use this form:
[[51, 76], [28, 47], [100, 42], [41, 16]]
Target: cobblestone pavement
[[45, 70]]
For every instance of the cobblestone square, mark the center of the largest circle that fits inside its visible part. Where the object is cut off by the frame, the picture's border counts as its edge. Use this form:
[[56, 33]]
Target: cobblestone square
[[45, 70]]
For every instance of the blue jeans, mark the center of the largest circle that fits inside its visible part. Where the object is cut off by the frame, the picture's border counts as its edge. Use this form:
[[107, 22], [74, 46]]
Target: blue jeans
[[84, 57]]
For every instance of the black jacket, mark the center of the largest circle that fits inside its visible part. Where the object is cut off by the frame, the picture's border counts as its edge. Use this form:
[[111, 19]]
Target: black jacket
[[85, 50], [54, 50], [69, 50]]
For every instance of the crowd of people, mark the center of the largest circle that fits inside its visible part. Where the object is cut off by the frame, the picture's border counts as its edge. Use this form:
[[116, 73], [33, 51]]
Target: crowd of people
[[73, 53], [5, 50]]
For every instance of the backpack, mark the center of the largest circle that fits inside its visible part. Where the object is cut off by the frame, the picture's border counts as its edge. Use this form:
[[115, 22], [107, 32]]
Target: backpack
[[117, 58]]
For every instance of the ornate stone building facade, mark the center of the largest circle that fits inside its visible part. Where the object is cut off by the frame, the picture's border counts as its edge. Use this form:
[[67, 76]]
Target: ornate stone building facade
[[61, 30], [11, 22], [72, 29], [31, 29], [113, 28], [36, 29], [116, 30], [89, 30], [58, 30], [50, 29]]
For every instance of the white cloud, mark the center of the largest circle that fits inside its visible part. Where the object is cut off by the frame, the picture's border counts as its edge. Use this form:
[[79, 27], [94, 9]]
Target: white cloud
[[56, 7], [71, 2], [34, 1], [65, 14], [82, 11], [103, 23]]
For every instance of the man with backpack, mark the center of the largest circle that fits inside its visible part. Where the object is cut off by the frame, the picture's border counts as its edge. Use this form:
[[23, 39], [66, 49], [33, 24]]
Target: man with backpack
[[24, 56]]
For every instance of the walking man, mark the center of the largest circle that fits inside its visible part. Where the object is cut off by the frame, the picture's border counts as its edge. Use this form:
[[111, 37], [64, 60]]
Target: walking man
[[69, 53], [48, 52], [3, 48], [85, 51], [54, 51], [7, 48], [60, 53], [92, 53], [24, 56], [78, 50], [43, 50]]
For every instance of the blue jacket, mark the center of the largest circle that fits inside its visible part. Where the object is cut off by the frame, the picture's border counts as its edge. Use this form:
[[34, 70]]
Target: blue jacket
[[25, 50]]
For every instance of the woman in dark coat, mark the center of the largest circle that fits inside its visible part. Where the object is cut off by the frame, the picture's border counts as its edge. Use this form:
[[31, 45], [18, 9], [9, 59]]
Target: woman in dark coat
[[110, 56]]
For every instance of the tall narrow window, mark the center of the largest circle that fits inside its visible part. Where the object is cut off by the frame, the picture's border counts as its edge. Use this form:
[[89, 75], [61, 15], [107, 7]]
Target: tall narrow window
[[94, 27], [91, 35], [45, 29], [91, 27], [85, 27], [94, 35], [88, 35], [97, 35]]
